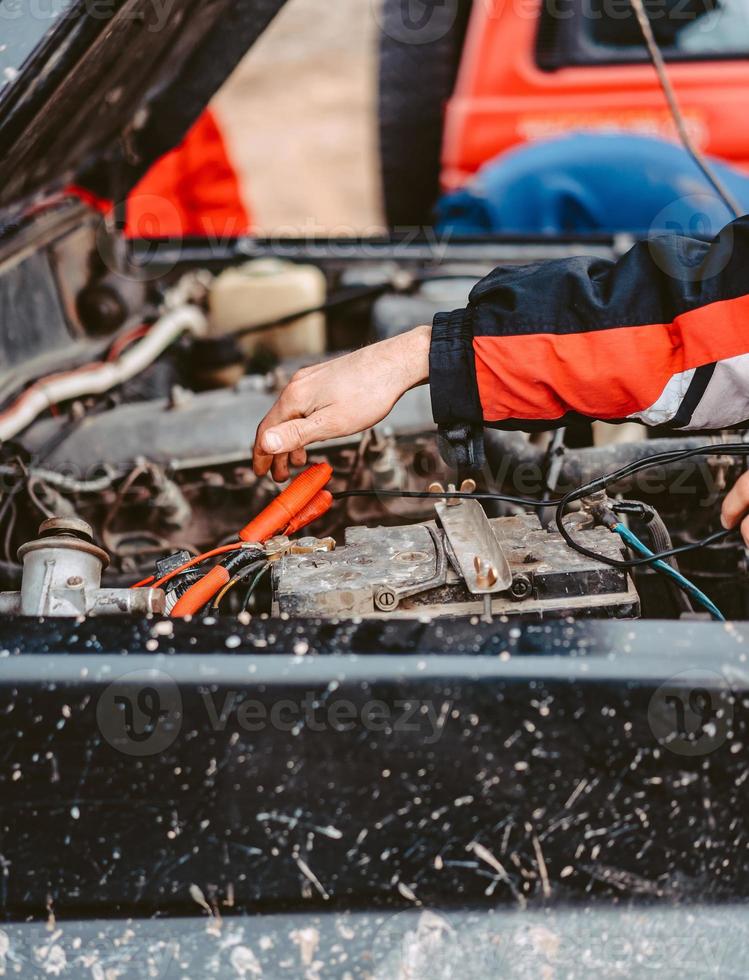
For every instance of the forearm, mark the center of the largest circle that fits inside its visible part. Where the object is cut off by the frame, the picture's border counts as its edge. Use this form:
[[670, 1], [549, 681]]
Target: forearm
[[660, 336]]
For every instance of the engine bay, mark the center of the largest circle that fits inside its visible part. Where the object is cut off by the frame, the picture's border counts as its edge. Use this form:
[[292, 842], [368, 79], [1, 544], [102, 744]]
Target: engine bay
[[130, 404]]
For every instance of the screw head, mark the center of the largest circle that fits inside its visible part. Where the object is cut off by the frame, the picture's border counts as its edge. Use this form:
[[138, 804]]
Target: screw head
[[521, 588], [385, 599]]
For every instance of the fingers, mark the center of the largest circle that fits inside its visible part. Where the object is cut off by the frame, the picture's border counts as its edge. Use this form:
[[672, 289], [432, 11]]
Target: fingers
[[262, 460], [280, 443], [280, 468], [745, 530], [736, 503], [293, 435], [268, 452]]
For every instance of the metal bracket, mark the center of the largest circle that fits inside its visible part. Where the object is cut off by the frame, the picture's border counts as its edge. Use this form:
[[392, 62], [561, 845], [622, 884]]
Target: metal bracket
[[387, 598], [474, 545]]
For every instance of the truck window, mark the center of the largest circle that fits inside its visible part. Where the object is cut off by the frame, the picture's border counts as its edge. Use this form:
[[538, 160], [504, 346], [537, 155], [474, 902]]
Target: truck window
[[598, 32]]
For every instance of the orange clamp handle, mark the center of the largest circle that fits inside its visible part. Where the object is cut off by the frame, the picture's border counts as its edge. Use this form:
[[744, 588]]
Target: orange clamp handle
[[302, 502], [319, 505], [281, 512], [201, 592]]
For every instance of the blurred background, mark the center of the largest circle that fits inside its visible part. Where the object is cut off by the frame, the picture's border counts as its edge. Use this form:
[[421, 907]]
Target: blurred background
[[484, 117], [300, 118]]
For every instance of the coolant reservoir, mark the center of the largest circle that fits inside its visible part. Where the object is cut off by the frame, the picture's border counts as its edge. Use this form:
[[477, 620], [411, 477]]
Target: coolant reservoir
[[264, 290]]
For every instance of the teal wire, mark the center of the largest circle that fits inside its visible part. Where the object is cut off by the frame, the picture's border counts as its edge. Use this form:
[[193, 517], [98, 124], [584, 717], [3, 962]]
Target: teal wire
[[634, 542]]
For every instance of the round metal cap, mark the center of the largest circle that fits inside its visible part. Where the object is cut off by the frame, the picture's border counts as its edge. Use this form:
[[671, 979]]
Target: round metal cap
[[66, 525]]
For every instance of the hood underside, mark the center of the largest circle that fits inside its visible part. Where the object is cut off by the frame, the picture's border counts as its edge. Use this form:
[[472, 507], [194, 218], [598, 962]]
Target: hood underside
[[111, 87]]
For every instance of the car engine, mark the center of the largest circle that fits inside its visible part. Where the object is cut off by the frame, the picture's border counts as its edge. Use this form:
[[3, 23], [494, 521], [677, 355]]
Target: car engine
[[128, 412]]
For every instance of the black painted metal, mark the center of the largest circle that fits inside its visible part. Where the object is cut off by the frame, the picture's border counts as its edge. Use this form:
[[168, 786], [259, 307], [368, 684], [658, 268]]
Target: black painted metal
[[315, 765], [74, 102], [407, 247]]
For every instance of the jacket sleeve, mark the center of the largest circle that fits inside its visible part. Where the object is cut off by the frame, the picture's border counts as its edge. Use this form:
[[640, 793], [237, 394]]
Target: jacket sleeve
[[661, 336]]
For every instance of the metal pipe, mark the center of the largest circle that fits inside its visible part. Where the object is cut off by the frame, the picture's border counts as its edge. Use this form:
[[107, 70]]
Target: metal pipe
[[508, 453], [63, 482], [99, 378]]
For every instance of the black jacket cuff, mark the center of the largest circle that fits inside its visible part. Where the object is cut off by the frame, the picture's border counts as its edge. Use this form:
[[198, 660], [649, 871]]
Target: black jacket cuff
[[452, 371]]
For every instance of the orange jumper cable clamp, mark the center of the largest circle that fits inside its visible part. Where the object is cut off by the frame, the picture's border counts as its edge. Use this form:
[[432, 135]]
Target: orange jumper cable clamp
[[280, 514]]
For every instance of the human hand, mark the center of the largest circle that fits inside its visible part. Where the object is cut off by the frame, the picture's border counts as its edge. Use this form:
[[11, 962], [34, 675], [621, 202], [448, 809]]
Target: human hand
[[338, 398], [735, 505]]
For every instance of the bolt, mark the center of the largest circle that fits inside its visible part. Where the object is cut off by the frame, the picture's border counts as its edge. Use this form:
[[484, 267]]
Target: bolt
[[521, 588], [75, 581], [277, 547], [487, 614], [452, 501], [486, 576], [411, 557]]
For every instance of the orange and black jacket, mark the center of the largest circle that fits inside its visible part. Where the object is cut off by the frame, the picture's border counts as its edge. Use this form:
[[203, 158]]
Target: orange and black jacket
[[661, 336]]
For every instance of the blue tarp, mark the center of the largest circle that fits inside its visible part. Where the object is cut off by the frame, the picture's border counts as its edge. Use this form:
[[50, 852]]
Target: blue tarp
[[590, 182]]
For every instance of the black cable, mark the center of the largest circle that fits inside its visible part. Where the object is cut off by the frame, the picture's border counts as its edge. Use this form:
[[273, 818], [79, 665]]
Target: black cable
[[248, 570], [352, 295], [675, 456], [660, 556], [332, 303], [448, 495], [62, 435], [659, 64], [254, 584], [660, 540], [726, 449], [633, 543], [600, 483], [527, 502]]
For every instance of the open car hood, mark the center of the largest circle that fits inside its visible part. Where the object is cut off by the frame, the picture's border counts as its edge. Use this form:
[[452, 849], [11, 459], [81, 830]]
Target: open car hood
[[96, 92]]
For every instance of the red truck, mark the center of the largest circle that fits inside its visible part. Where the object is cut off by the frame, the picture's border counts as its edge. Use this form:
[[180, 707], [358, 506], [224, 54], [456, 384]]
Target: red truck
[[463, 82]]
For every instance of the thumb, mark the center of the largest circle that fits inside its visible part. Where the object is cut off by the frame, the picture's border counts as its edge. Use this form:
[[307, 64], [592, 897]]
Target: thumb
[[296, 434]]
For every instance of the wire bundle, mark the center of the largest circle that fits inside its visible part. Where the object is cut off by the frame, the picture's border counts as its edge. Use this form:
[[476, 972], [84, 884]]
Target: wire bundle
[[303, 501], [656, 559]]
